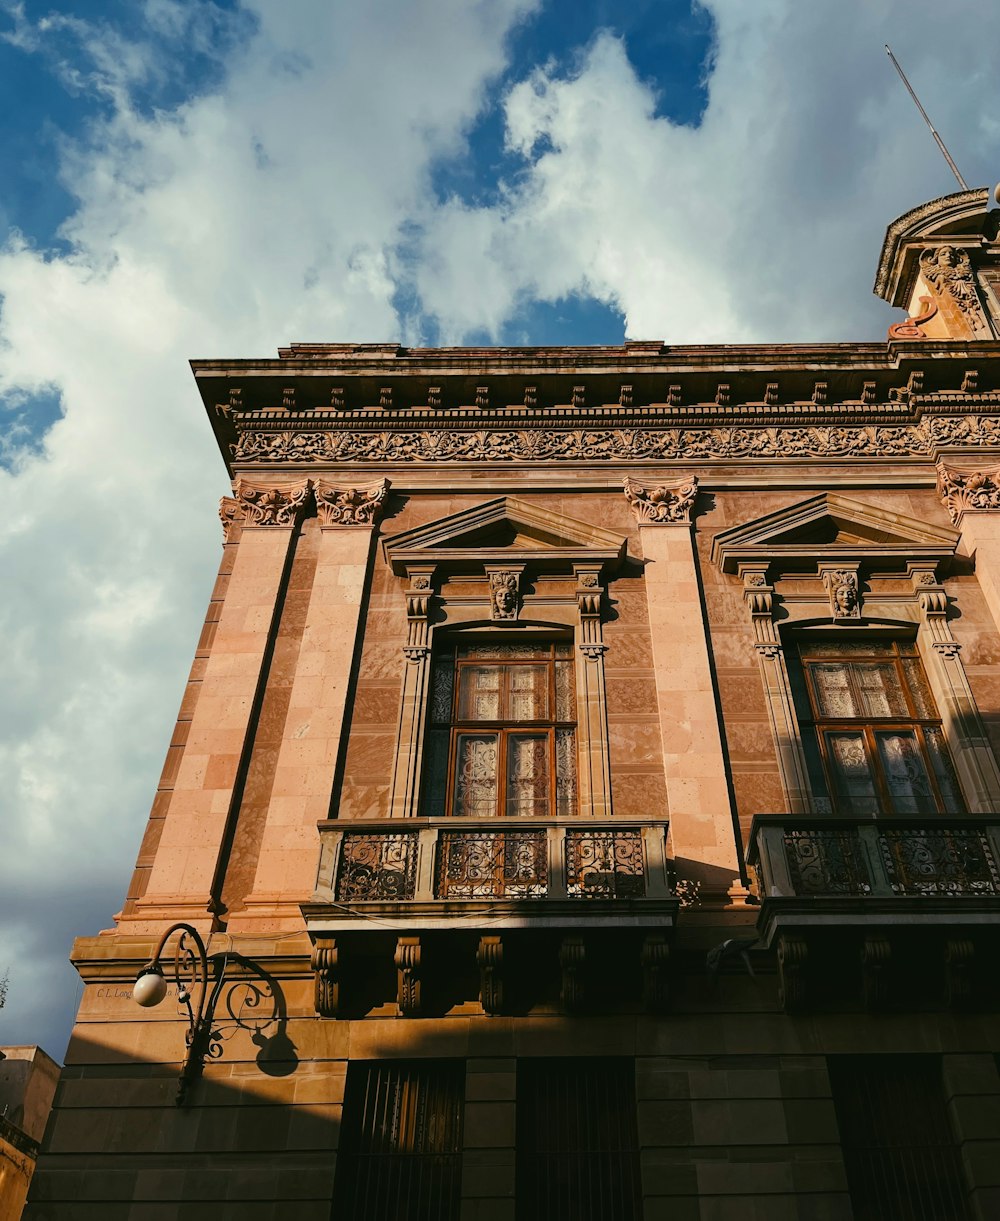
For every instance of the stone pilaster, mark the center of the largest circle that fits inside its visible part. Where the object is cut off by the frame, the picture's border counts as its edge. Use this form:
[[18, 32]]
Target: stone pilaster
[[701, 823], [312, 739], [185, 876]]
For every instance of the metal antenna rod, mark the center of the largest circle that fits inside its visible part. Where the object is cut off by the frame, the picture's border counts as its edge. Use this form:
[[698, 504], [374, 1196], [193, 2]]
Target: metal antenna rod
[[940, 143]]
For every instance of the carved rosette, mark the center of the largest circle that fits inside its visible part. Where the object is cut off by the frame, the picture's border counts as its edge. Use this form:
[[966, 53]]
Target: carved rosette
[[504, 593], [350, 506], [263, 506], [663, 504], [843, 590], [962, 491]]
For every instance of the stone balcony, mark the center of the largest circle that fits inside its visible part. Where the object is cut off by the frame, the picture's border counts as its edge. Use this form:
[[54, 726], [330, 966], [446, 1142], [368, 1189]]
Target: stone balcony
[[512, 912], [522, 873], [902, 896]]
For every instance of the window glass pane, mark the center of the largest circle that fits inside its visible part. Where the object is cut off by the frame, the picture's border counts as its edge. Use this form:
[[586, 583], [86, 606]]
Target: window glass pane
[[479, 693], [528, 688], [565, 772], [920, 690], [527, 774], [905, 774], [442, 685], [853, 783], [944, 771], [565, 701], [880, 690], [475, 776], [833, 690], [436, 787]]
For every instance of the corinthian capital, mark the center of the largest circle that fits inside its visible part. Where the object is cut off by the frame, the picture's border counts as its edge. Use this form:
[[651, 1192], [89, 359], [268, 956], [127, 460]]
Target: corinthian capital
[[350, 506], [961, 491], [263, 506], [662, 504]]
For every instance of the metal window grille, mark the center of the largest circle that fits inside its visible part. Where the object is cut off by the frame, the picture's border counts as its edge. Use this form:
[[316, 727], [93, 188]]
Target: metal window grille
[[899, 1151], [577, 1142], [400, 1155]]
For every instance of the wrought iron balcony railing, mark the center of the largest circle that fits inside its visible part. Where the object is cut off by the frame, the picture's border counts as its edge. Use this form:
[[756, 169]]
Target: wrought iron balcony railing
[[423, 868]]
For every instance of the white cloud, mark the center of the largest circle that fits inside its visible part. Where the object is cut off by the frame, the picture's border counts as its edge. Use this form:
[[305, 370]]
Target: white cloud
[[273, 206], [765, 222], [264, 210]]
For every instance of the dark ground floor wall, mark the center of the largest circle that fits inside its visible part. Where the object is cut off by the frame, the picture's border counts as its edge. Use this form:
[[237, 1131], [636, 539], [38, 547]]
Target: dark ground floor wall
[[735, 1109]]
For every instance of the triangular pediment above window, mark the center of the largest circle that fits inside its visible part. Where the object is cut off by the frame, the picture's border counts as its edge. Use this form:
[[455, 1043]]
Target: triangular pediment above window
[[832, 527], [507, 528]]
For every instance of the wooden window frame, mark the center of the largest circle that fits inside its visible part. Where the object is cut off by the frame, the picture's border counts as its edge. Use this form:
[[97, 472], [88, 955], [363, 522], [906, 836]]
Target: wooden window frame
[[504, 729], [822, 726]]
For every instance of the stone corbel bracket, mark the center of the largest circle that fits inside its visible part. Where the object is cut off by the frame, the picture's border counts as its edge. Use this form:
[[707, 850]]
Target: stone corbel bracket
[[968, 491], [407, 960], [418, 593], [339, 507], [589, 600], [663, 504], [933, 603], [758, 597], [326, 964]]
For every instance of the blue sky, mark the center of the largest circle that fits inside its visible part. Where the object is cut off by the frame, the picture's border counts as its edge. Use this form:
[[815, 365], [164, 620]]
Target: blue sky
[[188, 179]]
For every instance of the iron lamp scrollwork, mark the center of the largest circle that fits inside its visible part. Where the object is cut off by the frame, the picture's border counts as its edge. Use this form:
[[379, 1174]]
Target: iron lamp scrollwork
[[255, 1005]]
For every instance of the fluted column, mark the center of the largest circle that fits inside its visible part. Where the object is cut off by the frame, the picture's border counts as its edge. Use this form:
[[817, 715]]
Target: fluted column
[[184, 879], [701, 822]]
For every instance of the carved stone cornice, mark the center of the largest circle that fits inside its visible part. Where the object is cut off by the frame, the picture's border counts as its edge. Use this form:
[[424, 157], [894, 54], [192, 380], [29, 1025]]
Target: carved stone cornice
[[350, 506], [268, 506], [965, 491], [662, 504], [499, 444]]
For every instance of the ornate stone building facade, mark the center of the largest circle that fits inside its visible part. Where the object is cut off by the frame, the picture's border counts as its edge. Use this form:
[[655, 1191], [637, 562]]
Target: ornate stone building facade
[[586, 788]]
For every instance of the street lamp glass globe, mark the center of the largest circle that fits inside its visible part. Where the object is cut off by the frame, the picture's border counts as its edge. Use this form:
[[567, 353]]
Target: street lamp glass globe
[[150, 988]]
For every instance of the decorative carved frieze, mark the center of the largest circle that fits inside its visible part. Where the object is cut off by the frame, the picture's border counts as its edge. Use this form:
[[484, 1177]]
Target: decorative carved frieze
[[962, 491], [662, 504], [350, 506], [844, 592], [621, 444], [407, 960], [326, 963], [504, 592], [264, 506], [489, 957], [231, 516]]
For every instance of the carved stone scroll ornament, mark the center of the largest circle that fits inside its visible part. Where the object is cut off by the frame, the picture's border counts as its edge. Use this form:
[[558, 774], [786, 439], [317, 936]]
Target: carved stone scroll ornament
[[407, 959], [231, 516], [912, 327], [876, 957], [326, 964], [489, 957], [620, 444], [793, 954], [263, 506], [842, 589], [662, 504], [572, 956], [655, 961], [949, 272], [351, 506], [961, 491], [504, 594]]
